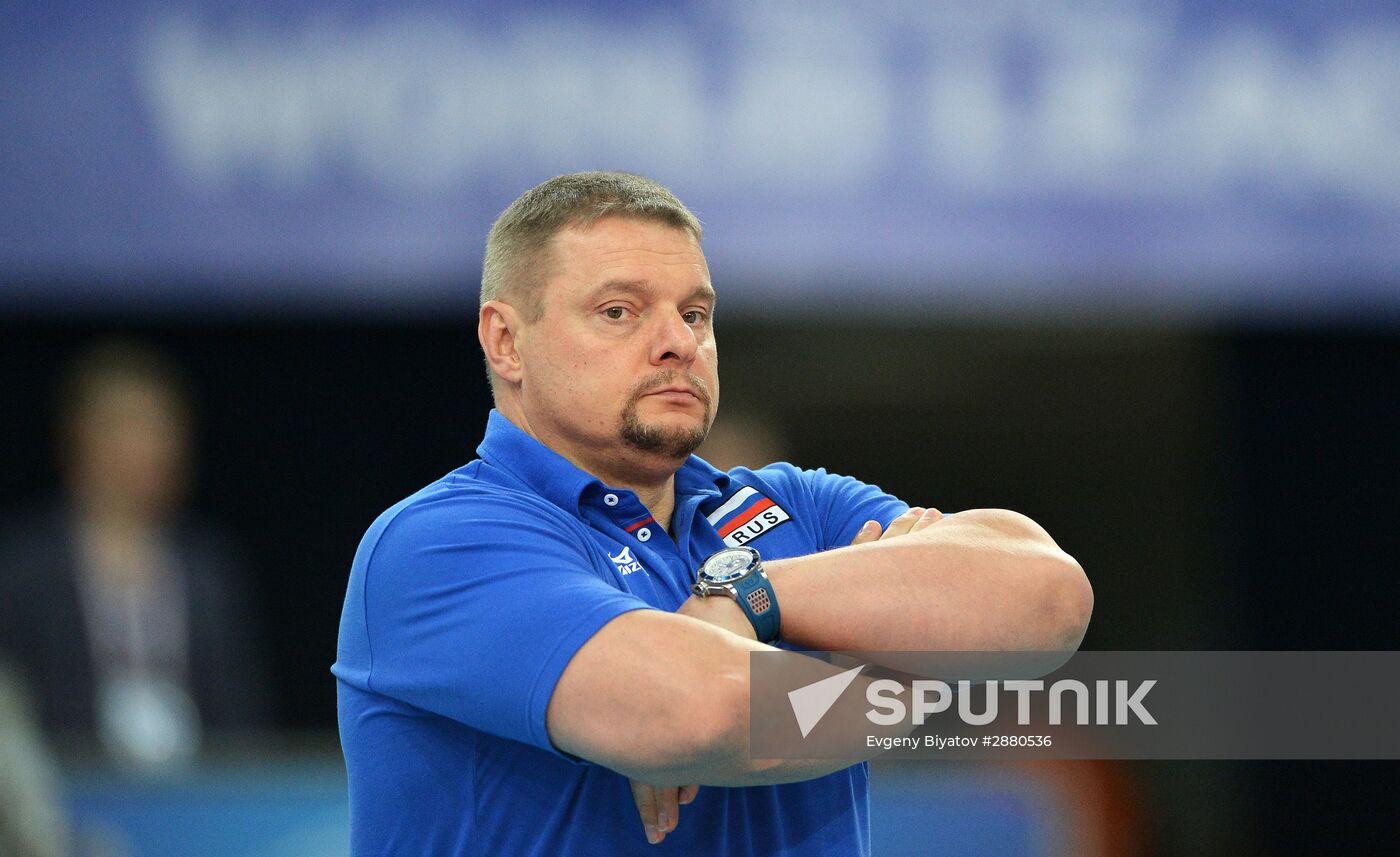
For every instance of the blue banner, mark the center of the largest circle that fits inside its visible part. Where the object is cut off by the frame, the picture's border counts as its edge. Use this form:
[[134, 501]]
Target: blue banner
[[1060, 157]]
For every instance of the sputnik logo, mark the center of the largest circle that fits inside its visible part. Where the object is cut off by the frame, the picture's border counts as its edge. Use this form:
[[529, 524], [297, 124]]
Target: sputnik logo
[[810, 703]]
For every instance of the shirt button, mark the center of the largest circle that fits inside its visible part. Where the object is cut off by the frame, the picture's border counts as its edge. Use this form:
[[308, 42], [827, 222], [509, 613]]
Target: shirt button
[[610, 499], [643, 534]]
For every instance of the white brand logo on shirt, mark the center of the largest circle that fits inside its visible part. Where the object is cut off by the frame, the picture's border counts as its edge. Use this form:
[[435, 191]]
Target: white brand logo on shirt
[[625, 562]]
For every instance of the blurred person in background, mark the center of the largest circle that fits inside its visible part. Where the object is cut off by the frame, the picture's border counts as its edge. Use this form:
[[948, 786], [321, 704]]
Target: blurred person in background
[[31, 822], [126, 617]]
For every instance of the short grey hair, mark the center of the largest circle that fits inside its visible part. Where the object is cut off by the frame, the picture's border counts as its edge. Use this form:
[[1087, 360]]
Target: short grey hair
[[518, 260]]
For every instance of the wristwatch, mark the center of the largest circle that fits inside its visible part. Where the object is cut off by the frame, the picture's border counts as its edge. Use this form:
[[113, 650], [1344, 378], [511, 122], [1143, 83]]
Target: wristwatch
[[738, 573]]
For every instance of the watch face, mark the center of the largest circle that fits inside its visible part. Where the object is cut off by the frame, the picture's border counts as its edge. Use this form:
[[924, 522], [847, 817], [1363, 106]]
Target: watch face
[[728, 565]]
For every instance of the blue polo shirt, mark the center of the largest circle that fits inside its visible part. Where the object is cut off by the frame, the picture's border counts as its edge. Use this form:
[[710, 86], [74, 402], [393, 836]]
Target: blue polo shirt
[[467, 600]]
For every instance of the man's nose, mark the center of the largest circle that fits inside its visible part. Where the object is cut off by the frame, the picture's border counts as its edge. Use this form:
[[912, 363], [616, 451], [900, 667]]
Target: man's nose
[[674, 340]]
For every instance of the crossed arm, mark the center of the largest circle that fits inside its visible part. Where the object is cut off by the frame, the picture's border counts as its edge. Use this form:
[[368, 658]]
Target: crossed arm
[[663, 697]]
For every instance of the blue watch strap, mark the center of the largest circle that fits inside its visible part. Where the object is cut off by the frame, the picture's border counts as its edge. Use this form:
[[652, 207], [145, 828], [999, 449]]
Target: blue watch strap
[[758, 602]]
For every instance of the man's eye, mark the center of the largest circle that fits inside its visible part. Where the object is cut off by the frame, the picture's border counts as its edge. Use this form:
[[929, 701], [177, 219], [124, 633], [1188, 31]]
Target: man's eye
[[616, 313], [693, 316]]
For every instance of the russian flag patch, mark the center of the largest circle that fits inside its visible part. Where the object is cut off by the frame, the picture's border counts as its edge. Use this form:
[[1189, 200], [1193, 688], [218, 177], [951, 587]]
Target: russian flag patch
[[746, 515]]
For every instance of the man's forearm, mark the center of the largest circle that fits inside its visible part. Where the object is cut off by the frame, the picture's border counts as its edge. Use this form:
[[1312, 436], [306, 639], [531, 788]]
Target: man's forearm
[[737, 767], [727, 759], [982, 580]]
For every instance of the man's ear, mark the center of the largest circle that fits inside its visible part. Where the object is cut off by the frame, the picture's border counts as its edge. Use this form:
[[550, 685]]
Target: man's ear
[[498, 329]]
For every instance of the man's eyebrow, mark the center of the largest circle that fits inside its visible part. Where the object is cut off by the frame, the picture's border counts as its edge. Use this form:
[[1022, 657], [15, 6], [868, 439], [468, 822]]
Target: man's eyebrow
[[703, 292], [640, 288]]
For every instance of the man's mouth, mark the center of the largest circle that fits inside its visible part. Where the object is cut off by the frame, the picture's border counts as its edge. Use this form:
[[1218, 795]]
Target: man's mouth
[[678, 389], [686, 391]]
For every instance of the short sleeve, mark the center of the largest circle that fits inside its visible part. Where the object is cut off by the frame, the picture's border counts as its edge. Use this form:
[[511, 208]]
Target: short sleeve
[[840, 504], [472, 607]]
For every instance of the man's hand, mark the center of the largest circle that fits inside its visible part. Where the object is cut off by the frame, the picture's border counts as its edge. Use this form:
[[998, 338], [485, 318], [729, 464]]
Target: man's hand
[[660, 807], [917, 518]]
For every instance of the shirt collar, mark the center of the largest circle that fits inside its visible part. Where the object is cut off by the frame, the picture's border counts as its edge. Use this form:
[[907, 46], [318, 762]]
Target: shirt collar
[[509, 448]]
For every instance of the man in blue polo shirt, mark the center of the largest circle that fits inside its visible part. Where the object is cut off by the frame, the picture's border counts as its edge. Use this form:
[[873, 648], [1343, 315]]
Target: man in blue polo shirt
[[546, 645]]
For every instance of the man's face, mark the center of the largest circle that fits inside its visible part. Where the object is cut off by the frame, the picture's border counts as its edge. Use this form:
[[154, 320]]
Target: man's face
[[129, 449], [621, 369]]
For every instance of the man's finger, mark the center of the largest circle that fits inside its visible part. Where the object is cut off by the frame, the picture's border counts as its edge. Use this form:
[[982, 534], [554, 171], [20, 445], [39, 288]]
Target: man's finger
[[668, 812], [901, 525], [868, 533], [928, 518], [645, 798], [689, 793]]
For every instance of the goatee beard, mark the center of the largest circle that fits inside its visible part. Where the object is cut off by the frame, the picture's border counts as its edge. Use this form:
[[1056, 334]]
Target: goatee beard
[[671, 443]]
